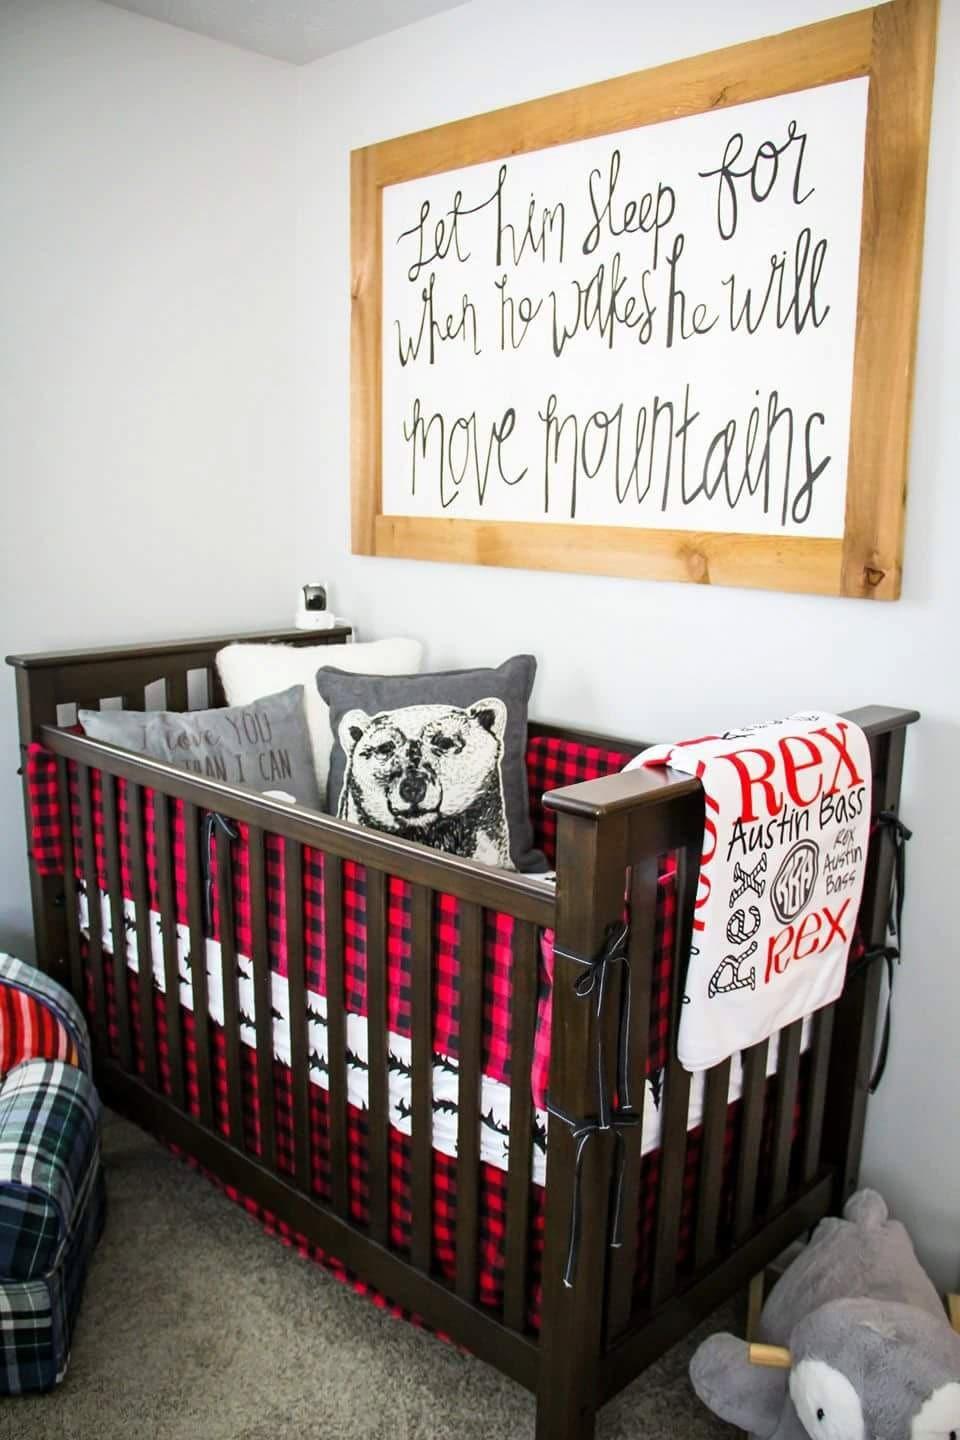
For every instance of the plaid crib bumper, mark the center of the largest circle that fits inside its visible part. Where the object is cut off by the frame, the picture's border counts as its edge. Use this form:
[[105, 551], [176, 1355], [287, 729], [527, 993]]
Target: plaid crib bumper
[[51, 1184]]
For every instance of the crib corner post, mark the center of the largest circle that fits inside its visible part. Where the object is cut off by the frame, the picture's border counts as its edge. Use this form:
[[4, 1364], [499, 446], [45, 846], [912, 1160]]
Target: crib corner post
[[36, 706], [857, 1010], [591, 872]]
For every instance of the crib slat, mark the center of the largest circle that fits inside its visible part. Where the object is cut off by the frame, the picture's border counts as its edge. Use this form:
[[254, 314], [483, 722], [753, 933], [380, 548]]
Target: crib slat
[[643, 915], [788, 1071], [297, 1001], [141, 902], [111, 840], [214, 696], [468, 1096], [70, 880], [817, 1091], [175, 690], [378, 1138], [198, 962], [95, 915], [336, 1033], [168, 934], [751, 1127], [675, 1101], [715, 1105], [262, 998], [421, 1082], [523, 1019], [229, 980]]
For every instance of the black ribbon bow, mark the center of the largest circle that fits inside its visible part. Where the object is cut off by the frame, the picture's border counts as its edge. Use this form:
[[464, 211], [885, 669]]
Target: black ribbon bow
[[891, 823], [212, 822], [614, 1112]]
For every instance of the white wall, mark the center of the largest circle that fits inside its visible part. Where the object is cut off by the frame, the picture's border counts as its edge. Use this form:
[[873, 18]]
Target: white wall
[[667, 660], [146, 401]]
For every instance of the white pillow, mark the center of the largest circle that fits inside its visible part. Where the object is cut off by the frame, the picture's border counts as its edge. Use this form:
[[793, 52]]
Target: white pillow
[[248, 672]]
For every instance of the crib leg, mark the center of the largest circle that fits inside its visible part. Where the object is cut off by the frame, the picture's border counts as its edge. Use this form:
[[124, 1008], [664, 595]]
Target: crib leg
[[570, 1337], [565, 1413]]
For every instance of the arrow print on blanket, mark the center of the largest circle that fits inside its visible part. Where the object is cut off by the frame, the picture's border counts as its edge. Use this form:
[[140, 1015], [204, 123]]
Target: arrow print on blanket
[[398, 1066]]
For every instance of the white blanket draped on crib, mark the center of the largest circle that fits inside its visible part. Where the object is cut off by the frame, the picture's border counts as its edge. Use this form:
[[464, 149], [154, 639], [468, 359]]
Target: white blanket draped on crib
[[786, 832]]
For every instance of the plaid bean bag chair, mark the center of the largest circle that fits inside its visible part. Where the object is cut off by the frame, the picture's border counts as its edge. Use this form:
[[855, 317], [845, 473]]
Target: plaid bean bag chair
[[51, 1183]]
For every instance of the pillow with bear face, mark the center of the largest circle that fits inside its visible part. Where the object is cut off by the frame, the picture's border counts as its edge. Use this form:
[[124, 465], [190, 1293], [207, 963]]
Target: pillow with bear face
[[248, 671], [438, 758], [264, 745]]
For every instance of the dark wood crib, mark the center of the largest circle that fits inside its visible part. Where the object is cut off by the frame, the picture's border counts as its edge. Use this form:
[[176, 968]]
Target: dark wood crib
[[789, 1156]]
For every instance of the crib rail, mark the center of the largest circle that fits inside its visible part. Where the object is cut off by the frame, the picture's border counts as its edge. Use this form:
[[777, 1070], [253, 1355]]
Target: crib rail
[[166, 675], [519, 894]]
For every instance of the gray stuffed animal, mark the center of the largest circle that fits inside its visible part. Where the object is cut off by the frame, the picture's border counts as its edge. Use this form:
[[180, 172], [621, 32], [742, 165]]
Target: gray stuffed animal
[[859, 1346]]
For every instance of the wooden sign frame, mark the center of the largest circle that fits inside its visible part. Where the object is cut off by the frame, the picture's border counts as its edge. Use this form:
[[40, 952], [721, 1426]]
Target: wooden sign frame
[[894, 44]]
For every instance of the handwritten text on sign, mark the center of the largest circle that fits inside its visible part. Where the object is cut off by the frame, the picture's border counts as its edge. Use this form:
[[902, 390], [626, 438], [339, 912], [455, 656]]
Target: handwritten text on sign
[[654, 328]]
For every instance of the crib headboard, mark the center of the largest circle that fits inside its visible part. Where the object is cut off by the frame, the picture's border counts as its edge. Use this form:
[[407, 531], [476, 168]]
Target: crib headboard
[[166, 675]]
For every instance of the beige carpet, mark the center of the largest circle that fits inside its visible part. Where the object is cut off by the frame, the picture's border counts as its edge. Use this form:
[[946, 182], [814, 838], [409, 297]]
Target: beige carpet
[[198, 1326]]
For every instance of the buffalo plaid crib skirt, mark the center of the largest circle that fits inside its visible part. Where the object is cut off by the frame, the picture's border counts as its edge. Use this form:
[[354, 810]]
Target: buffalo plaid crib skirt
[[551, 763]]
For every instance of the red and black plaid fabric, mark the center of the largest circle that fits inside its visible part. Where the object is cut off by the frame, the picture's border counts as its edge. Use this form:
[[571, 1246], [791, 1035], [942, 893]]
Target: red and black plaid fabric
[[551, 762], [46, 846]]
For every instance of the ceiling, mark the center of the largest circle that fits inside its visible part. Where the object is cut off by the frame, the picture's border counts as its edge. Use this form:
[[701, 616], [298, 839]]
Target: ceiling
[[285, 30]]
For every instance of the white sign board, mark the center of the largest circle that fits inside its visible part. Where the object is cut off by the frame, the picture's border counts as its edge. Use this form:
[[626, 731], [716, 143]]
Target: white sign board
[[651, 329]]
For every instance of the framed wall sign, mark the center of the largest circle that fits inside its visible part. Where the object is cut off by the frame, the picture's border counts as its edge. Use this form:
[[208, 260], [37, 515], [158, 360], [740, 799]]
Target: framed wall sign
[[662, 326]]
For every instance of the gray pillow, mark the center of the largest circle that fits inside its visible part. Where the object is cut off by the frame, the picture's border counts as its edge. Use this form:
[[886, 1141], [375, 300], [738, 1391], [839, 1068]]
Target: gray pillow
[[264, 745], [436, 758]]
